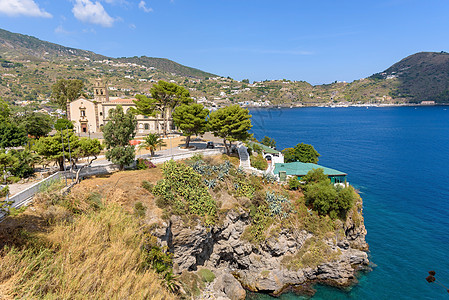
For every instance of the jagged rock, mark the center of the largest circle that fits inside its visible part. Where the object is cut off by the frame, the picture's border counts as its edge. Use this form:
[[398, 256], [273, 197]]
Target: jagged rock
[[261, 267], [227, 284]]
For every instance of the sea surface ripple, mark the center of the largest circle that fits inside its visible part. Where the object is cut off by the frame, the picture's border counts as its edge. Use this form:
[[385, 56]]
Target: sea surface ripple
[[398, 158]]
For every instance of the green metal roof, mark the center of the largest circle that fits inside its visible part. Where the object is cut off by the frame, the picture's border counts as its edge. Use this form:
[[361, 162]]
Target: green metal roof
[[300, 169], [266, 149]]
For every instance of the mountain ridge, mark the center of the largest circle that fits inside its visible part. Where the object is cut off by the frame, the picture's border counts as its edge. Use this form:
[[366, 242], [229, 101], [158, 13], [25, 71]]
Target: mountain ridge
[[30, 66], [26, 47]]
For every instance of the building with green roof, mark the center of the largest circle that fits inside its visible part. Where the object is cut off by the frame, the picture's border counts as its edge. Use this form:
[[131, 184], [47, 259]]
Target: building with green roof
[[299, 169], [270, 154]]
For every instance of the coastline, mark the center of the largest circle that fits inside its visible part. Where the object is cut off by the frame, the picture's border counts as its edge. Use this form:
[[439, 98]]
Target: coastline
[[345, 106]]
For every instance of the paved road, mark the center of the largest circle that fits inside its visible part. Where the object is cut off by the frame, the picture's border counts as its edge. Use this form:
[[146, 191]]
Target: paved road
[[160, 156]]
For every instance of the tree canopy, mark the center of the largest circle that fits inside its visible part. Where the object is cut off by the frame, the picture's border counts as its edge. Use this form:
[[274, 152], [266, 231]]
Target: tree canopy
[[88, 148], [151, 142], [191, 119], [231, 123], [146, 106], [117, 133], [66, 90], [52, 146], [7, 160], [5, 112], [62, 124], [12, 135], [165, 96], [301, 152], [270, 142], [326, 198], [37, 124]]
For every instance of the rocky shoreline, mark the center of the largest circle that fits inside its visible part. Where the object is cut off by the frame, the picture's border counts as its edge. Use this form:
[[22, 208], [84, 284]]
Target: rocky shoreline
[[271, 266]]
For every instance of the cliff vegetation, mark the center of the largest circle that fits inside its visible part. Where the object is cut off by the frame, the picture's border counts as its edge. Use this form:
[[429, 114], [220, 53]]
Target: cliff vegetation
[[201, 227]]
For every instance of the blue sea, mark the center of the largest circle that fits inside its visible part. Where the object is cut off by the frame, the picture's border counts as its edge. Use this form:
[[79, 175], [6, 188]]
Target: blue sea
[[398, 158]]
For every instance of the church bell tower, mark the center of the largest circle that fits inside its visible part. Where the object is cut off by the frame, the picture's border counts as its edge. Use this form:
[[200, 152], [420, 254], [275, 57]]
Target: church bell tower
[[101, 91]]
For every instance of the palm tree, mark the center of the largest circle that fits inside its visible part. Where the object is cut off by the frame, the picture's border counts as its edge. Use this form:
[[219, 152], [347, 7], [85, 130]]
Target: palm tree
[[151, 142]]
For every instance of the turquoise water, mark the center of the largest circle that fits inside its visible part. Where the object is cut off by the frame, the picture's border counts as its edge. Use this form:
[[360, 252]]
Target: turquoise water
[[398, 158]]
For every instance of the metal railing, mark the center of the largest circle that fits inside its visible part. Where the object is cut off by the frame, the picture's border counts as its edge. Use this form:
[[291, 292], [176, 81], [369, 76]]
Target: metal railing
[[22, 197], [180, 156], [25, 196]]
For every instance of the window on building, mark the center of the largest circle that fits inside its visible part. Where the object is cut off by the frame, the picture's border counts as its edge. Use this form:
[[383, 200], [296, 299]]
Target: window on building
[[83, 113], [147, 126]]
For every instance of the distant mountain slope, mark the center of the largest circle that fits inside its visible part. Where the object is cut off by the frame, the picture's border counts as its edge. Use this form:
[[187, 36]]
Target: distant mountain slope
[[19, 46], [167, 65], [422, 76]]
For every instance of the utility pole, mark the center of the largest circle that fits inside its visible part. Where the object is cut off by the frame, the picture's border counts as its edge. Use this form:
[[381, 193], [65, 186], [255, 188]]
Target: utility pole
[[63, 158]]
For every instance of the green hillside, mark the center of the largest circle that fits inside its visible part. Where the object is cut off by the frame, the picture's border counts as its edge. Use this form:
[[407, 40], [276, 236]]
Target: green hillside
[[422, 76], [29, 67], [19, 46]]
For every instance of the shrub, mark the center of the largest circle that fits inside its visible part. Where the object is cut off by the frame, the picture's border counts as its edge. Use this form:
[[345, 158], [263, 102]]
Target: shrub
[[197, 157], [206, 275], [327, 199], [13, 179], [147, 185], [161, 261], [139, 209], [259, 162], [183, 192], [260, 221], [315, 175], [94, 200], [278, 204], [257, 148], [143, 164], [268, 178], [293, 183]]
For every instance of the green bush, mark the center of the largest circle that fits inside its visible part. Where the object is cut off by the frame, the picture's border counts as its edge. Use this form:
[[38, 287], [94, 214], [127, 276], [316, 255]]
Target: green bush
[[315, 175], [94, 201], [161, 261], [206, 275], [327, 199], [293, 183], [139, 209], [13, 179], [259, 162], [256, 148], [260, 220], [147, 185], [182, 191]]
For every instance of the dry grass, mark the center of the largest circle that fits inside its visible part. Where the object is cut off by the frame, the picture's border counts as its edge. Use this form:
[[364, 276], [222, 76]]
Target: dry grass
[[313, 253], [125, 189], [97, 256]]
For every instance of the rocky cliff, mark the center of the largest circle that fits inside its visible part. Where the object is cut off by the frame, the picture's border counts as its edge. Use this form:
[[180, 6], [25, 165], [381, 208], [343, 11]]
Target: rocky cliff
[[288, 257]]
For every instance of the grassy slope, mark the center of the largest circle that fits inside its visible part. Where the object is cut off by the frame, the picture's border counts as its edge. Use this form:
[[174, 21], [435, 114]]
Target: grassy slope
[[53, 253]]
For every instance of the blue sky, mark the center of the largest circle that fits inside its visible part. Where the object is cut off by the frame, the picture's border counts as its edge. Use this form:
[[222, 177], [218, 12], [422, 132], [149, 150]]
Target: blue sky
[[318, 41]]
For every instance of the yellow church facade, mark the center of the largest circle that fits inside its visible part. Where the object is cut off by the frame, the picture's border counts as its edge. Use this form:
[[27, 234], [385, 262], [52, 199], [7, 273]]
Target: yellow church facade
[[90, 115]]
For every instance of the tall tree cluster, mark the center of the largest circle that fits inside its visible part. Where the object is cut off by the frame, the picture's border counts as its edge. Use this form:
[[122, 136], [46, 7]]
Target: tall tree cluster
[[65, 91], [117, 133]]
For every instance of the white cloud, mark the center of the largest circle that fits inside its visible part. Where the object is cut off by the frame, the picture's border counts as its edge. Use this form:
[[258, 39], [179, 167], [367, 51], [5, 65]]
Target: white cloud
[[132, 26], [143, 6], [22, 7], [89, 12]]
